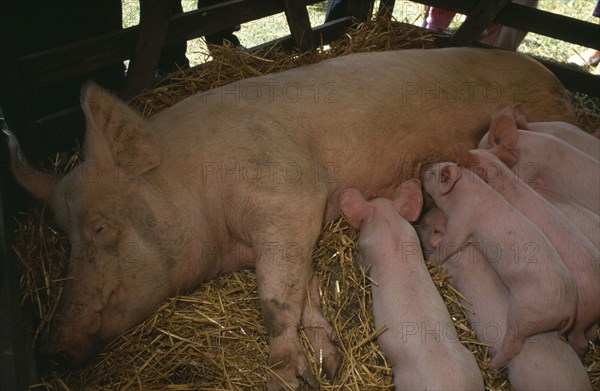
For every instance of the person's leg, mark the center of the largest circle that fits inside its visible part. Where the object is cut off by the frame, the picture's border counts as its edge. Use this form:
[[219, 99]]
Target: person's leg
[[439, 19], [591, 56], [506, 37]]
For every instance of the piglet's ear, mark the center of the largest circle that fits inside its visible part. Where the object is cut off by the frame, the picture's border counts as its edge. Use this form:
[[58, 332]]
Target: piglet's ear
[[503, 130], [354, 206], [409, 199], [520, 117], [510, 157], [469, 161], [449, 175], [465, 158], [116, 134]]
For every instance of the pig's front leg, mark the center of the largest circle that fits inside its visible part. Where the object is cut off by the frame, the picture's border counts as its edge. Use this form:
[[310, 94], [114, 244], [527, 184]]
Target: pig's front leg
[[284, 231]]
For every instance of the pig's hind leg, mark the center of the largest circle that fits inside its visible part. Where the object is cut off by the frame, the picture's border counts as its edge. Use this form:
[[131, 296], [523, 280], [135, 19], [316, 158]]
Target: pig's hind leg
[[517, 329], [319, 332], [578, 341]]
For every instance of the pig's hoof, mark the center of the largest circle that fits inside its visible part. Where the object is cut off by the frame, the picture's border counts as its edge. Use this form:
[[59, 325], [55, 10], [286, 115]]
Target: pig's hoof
[[288, 369], [331, 364], [578, 342], [323, 340]]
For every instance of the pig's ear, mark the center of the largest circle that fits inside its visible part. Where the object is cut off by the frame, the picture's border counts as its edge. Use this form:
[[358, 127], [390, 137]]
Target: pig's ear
[[465, 158], [354, 206], [503, 130], [469, 161], [449, 175], [520, 117], [409, 199], [117, 134], [510, 157], [40, 184]]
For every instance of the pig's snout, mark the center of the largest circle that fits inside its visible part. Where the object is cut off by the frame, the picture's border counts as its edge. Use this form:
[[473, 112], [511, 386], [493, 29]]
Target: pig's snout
[[72, 344], [63, 355], [66, 354]]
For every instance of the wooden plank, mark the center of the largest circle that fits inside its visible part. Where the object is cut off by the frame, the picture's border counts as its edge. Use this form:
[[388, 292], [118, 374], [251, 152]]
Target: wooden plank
[[360, 9], [59, 64], [13, 98], [574, 80], [152, 31], [323, 34], [536, 21], [386, 7], [62, 63], [478, 20], [545, 23], [299, 24]]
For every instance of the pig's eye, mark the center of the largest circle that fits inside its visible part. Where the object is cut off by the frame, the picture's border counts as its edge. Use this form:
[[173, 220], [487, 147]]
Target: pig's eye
[[101, 228]]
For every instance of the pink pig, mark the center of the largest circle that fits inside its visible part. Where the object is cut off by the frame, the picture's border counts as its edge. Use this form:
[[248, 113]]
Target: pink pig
[[569, 133], [586, 220], [420, 339], [543, 294], [580, 256], [546, 362], [558, 166]]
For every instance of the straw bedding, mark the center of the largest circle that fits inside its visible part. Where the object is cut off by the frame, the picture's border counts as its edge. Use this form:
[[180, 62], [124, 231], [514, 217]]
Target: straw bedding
[[213, 338]]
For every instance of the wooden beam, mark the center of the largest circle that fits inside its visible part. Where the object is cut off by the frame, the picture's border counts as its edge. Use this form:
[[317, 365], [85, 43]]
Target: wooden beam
[[323, 34], [386, 7], [545, 23], [51, 66], [533, 20], [299, 24], [360, 9], [573, 79], [13, 98], [479, 19], [152, 31]]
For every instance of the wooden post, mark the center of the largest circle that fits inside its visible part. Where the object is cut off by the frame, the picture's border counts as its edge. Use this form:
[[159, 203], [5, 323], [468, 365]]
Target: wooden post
[[386, 7], [13, 99], [478, 20], [299, 24], [360, 9], [153, 28]]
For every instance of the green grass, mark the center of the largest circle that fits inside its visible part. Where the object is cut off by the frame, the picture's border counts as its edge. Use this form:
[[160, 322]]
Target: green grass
[[275, 26]]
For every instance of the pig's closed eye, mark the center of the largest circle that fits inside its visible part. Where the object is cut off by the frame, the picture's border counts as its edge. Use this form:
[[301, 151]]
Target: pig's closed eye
[[101, 228], [100, 231]]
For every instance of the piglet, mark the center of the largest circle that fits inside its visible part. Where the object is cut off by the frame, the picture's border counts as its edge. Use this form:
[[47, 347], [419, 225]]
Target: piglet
[[545, 362], [586, 220], [420, 339], [580, 256], [558, 166], [543, 294], [569, 133]]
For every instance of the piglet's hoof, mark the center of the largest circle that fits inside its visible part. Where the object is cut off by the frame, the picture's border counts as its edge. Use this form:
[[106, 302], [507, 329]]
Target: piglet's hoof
[[288, 369]]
